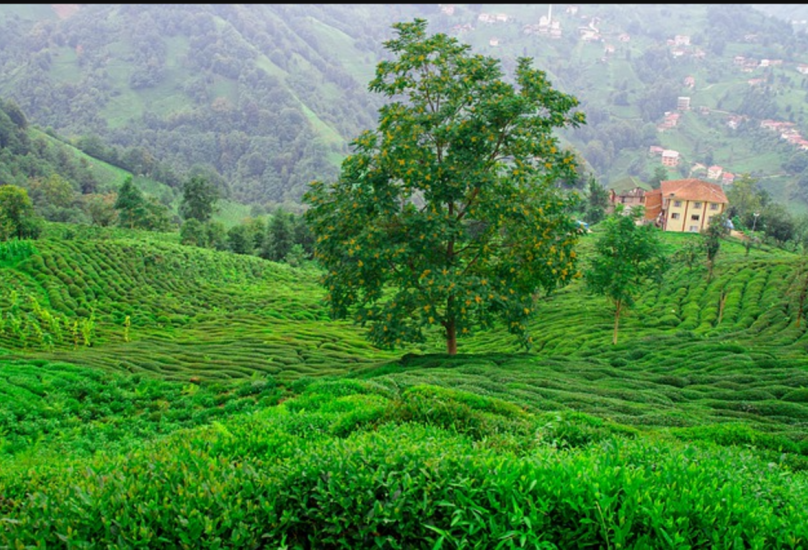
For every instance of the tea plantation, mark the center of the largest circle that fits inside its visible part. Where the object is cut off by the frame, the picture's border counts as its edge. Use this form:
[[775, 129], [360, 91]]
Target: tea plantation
[[160, 396]]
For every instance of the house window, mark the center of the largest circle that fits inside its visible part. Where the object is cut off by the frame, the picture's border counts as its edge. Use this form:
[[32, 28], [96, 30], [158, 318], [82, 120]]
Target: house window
[[694, 228], [674, 215], [696, 205], [714, 206], [677, 204], [694, 217]]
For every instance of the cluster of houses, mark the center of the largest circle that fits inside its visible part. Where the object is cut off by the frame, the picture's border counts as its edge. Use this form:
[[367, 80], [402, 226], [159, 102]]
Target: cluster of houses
[[684, 205], [747, 64], [672, 159], [680, 46], [671, 120], [547, 25], [787, 131]]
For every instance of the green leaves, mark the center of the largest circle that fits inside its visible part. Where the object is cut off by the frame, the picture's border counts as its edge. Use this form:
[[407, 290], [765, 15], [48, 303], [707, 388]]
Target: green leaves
[[440, 469], [627, 256], [447, 215]]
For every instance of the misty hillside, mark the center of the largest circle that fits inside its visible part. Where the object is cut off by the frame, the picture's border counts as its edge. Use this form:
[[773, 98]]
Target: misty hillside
[[269, 96]]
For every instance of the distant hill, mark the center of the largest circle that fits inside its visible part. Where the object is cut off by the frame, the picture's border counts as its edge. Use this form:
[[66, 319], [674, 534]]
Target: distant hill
[[270, 95]]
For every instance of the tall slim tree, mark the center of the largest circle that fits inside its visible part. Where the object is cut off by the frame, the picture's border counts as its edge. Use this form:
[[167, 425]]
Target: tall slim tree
[[712, 241], [448, 214], [279, 238], [627, 256], [597, 200], [199, 198], [130, 204]]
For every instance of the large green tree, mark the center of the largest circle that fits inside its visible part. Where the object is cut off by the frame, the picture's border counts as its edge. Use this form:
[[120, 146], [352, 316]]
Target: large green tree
[[448, 214], [627, 256]]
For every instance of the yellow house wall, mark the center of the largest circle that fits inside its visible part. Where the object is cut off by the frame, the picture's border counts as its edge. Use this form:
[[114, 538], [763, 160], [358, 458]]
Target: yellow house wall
[[672, 224], [685, 211]]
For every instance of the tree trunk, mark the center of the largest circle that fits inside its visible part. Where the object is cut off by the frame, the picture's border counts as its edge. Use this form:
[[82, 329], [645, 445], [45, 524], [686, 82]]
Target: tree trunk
[[617, 309], [451, 337]]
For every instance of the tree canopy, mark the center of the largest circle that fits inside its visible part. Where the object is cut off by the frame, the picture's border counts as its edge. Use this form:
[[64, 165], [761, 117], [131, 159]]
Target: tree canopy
[[448, 215], [199, 198], [17, 216], [627, 255]]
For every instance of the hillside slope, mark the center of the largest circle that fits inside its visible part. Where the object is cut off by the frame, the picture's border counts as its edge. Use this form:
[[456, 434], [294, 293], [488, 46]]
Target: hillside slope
[[269, 95], [186, 396]]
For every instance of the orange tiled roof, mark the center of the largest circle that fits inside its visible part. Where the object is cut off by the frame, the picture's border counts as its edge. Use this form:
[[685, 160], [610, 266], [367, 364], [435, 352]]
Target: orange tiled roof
[[693, 190]]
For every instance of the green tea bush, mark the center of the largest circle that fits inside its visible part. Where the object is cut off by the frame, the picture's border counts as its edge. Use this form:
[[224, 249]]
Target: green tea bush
[[796, 396], [280, 479]]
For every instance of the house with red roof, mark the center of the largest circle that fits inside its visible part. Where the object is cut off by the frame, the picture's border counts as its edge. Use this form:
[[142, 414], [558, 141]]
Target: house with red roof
[[687, 205]]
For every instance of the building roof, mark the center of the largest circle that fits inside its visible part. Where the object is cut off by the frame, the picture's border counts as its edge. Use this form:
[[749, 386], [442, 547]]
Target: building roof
[[693, 190], [627, 184]]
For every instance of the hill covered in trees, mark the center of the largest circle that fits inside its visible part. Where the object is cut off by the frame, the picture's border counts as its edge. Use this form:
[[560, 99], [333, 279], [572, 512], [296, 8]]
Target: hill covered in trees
[[268, 96]]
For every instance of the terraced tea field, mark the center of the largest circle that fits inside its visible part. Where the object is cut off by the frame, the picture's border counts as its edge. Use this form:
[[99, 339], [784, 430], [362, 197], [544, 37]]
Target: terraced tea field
[[172, 311], [134, 351]]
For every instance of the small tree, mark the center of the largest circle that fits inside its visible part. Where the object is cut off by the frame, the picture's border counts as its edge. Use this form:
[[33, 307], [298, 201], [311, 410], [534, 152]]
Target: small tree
[[239, 239], [448, 215], [597, 201], [660, 175], [130, 204], [717, 229], [627, 256], [100, 209], [17, 216], [689, 253], [279, 237], [193, 233], [199, 198]]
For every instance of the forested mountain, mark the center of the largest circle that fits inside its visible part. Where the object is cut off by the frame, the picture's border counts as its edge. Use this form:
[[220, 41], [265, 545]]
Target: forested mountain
[[270, 95]]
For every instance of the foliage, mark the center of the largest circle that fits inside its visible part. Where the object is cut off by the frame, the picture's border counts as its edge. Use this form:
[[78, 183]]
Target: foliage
[[627, 256], [279, 238], [446, 215], [746, 200], [597, 201], [715, 231], [412, 484], [135, 210], [129, 204], [660, 175], [101, 208], [199, 199], [17, 216], [193, 233], [238, 239], [689, 253]]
